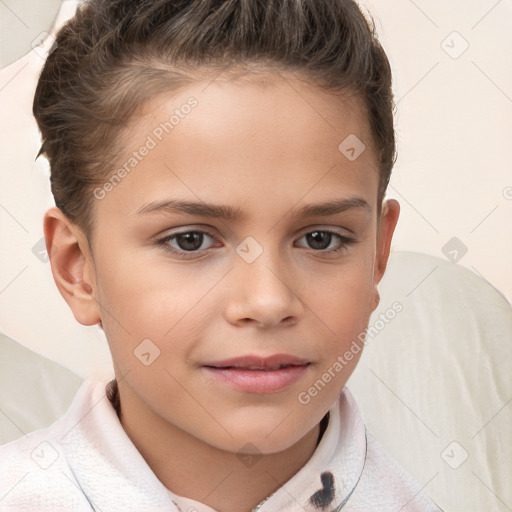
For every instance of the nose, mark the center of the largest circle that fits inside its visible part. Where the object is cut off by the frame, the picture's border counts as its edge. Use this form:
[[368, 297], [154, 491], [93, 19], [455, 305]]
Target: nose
[[264, 292]]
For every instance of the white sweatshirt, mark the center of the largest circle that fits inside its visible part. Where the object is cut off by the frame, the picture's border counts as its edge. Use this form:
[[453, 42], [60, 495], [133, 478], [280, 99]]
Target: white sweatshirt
[[86, 462]]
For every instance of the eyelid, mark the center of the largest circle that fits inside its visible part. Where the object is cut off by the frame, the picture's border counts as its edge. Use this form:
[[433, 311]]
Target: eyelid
[[344, 241], [186, 229], [309, 229], [330, 229]]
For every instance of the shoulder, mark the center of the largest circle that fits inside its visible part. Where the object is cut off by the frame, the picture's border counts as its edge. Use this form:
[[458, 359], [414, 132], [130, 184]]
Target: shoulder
[[34, 475], [387, 484], [382, 484], [34, 469]]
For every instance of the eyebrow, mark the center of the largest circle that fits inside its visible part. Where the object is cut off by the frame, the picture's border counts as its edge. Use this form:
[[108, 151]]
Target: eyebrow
[[233, 213]]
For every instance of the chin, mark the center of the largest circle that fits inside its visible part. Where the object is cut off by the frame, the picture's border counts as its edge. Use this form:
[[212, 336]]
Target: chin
[[260, 439]]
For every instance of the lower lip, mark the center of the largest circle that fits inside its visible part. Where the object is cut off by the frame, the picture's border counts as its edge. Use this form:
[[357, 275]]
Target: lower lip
[[258, 381]]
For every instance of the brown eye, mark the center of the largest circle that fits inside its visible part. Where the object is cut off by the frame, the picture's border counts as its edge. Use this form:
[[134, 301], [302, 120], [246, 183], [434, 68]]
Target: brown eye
[[321, 239], [190, 242]]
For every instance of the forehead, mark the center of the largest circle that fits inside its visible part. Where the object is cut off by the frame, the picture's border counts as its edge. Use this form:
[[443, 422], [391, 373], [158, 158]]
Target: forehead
[[245, 136], [265, 97]]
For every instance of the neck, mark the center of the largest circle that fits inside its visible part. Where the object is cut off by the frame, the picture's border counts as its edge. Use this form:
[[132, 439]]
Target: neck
[[191, 468]]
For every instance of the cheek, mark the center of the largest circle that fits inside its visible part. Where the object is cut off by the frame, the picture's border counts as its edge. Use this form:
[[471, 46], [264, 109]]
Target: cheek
[[141, 302], [143, 294], [343, 298], [343, 307]]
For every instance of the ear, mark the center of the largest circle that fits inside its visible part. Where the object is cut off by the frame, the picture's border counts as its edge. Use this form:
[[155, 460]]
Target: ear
[[72, 265], [385, 229]]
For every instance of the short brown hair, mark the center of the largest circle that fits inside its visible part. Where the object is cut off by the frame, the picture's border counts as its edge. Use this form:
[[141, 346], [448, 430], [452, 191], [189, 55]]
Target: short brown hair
[[114, 54]]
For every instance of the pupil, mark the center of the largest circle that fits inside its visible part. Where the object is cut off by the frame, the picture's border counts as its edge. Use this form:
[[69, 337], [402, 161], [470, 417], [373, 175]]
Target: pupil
[[316, 238], [190, 241]]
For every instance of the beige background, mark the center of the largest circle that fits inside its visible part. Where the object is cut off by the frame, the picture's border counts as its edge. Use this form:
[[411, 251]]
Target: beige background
[[442, 375], [453, 176]]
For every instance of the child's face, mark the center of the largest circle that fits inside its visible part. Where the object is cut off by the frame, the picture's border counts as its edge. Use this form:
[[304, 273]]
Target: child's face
[[251, 285]]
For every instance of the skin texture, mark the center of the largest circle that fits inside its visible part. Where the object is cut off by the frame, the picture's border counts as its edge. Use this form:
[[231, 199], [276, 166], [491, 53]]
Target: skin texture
[[269, 149]]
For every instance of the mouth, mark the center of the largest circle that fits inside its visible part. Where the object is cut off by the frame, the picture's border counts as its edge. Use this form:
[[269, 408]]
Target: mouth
[[257, 368], [252, 374], [257, 363]]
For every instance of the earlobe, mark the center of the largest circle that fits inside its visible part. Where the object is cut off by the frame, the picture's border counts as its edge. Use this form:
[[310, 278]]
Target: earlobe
[[68, 252]]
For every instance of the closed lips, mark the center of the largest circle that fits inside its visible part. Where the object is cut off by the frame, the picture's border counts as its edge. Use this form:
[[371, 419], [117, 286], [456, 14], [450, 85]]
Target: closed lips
[[252, 362], [256, 374], [252, 367]]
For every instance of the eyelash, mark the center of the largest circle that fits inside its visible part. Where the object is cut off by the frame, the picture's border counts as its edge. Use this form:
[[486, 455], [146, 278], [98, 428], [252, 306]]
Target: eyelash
[[163, 242]]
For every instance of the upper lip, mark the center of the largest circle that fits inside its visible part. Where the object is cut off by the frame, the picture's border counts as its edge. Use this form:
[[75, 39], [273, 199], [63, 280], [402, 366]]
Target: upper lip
[[258, 362]]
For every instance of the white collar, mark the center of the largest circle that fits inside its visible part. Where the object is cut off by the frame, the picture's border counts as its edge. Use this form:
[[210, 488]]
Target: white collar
[[330, 476]]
